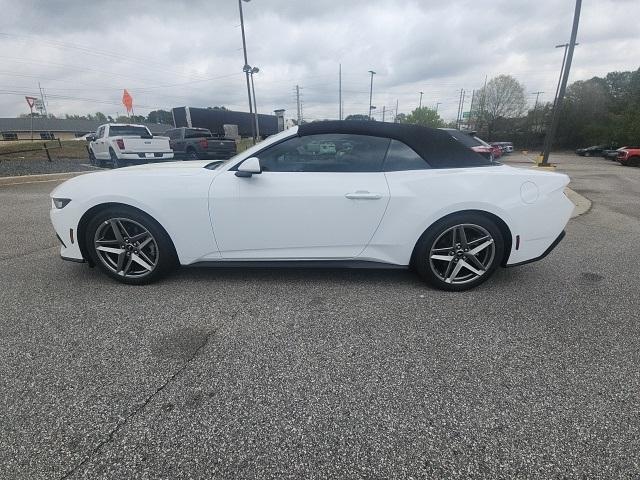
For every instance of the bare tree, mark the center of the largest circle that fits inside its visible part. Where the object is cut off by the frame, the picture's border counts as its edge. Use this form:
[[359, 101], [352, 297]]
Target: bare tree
[[503, 97]]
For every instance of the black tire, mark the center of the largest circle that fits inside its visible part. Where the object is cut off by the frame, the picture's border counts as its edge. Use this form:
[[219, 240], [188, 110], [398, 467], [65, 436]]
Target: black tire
[[92, 158], [192, 154], [440, 237], [159, 253], [117, 163], [633, 161]]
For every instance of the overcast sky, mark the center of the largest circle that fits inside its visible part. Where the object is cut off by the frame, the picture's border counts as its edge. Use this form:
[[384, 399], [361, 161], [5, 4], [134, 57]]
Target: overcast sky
[[170, 53]]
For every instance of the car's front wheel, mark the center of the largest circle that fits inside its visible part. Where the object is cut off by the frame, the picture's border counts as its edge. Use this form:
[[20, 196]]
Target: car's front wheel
[[459, 252], [129, 246]]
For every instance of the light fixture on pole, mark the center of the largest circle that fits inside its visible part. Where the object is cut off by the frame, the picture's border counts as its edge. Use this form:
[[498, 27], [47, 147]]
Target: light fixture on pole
[[255, 105], [420, 104], [371, 92], [246, 69]]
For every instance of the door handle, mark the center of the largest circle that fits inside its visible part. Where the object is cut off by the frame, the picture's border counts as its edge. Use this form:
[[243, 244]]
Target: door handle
[[363, 195]]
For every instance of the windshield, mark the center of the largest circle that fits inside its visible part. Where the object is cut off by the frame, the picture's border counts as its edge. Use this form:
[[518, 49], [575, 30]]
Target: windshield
[[254, 149], [197, 133], [128, 130]]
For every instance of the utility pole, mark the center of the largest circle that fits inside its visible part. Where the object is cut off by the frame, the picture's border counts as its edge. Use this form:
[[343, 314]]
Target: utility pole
[[383, 111], [255, 105], [564, 59], [532, 126], [420, 104], [395, 119], [464, 94], [44, 105], [246, 69], [371, 92], [298, 104], [473, 97], [437, 104], [549, 137], [459, 109], [340, 91], [483, 101]]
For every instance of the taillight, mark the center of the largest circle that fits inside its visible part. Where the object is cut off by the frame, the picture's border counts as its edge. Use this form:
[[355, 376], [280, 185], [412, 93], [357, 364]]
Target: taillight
[[120, 143], [204, 143]]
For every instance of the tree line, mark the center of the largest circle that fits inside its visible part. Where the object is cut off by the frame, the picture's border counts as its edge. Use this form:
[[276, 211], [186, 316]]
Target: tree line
[[598, 111]]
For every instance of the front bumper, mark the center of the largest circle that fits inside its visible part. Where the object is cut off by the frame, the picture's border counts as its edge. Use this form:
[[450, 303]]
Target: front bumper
[[66, 228]]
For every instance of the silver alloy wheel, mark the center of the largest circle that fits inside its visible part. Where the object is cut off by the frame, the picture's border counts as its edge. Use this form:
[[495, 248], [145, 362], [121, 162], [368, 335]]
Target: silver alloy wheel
[[126, 247], [462, 253]]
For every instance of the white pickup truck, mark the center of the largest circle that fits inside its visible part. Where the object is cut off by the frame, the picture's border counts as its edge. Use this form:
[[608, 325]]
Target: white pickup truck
[[124, 144]]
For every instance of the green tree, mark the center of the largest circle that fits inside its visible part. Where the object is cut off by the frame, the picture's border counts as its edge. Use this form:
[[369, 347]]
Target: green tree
[[358, 117], [160, 116], [503, 97], [425, 116]]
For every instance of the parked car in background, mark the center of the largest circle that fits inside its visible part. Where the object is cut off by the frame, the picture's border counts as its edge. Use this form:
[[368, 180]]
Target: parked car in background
[[629, 156], [593, 151], [497, 150], [611, 154], [507, 147], [469, 140], [199, 144], [125, 144]]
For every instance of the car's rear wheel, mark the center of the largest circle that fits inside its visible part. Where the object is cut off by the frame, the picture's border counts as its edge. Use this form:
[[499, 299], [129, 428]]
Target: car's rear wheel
[[459, 252], [117, 163], [192, 154], [129, 246]]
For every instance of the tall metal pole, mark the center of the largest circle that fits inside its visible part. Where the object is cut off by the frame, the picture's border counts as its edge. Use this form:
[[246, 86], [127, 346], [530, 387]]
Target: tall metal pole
[[340, 91], [464, 94], [395, 119], [255, 105], [420, 104], [549, 137], [459, 109], [371, 92], [246, 69], [383, 112], [437, 104], [298, 104]]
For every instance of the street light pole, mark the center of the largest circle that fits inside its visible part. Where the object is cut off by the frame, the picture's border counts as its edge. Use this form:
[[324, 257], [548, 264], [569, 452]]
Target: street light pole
[[371, 92], [549, 137], [420, 104], [246, 69], [438, 103], [255, 105]]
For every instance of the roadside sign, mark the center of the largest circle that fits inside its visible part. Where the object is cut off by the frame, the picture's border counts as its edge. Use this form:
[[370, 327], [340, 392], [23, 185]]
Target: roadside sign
[[31, 101], [466, 114]]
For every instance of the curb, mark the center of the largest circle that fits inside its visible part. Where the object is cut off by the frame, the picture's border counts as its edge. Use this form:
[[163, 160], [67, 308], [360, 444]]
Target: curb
[[45, 177], [582, 204]]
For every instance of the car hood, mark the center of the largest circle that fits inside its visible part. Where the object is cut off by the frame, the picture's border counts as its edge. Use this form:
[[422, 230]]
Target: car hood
[[150, 174]]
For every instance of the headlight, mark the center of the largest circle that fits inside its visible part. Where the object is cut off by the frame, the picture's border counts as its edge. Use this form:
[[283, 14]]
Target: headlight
[[61, 202]]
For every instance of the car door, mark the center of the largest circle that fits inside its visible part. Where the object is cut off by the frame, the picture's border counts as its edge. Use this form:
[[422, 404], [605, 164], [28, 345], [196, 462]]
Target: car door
[[100, 148], [318, 197]]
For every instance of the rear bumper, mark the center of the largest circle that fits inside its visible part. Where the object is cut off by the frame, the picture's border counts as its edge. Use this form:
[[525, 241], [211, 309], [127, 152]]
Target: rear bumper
[[544, 254], [143, 158]]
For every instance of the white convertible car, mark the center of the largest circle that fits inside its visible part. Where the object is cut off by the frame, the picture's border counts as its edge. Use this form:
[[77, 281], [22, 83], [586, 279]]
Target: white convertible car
[[326, 193]]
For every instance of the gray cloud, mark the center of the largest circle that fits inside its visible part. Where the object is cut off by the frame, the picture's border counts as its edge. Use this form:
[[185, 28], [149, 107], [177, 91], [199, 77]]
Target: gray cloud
[[170, 53]]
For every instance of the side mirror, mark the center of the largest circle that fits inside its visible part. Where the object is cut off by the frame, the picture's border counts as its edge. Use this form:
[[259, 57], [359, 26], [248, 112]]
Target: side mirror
[[250, 166], [91, 138]]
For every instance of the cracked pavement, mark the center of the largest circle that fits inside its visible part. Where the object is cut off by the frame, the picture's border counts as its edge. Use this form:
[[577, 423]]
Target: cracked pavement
[[325, 373]]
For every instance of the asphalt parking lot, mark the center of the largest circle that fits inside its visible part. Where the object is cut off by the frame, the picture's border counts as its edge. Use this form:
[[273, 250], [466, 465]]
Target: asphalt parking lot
[[325, 373]]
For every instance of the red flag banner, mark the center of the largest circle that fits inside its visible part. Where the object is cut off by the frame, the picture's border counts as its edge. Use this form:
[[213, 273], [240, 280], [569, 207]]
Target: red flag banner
[[127, 100]]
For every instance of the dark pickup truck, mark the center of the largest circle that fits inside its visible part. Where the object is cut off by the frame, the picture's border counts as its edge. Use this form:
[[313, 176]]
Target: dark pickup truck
[[199, 144]]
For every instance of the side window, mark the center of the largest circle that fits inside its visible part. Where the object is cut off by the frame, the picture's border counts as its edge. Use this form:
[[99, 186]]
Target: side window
[[100, 132], [402, 157], [326, 153]]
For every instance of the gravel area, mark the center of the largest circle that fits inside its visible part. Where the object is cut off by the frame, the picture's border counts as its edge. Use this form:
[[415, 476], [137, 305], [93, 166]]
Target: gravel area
[[325, 373], [16, 166]]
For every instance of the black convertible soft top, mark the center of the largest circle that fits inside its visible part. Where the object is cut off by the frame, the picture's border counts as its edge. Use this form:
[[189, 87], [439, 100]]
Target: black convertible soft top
[[436, 146]]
